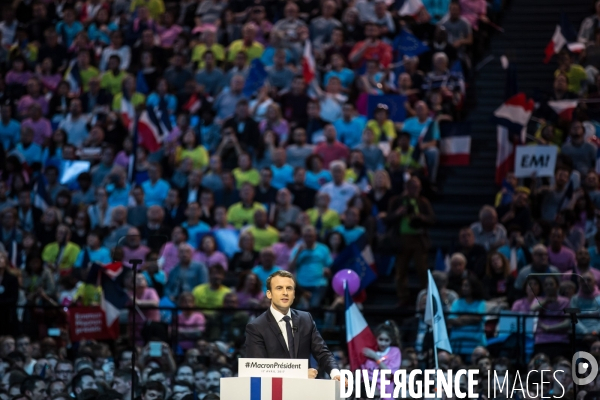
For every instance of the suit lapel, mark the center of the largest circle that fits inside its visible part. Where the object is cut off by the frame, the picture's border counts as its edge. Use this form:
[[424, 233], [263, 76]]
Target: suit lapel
[[296, 326], [275, 328]]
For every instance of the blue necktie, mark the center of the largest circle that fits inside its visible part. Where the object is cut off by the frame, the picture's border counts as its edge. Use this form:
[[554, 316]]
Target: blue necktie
[[290, 335]]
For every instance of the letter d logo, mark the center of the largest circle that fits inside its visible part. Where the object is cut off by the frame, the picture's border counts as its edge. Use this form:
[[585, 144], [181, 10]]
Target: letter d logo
[[589, 366]]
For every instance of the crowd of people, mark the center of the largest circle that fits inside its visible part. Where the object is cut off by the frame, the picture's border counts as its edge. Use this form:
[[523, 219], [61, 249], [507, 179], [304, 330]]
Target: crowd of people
[[252, 178]]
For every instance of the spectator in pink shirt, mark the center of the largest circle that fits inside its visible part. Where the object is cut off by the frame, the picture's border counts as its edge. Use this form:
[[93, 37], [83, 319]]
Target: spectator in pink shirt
[[168, 32], [331, 149], [560, 255], [191, 323], [290, 236], [33, 96], [532, 290], [208, 254], [42, 129], [133, 248], [146, 300], [249, 290], [170, 251]]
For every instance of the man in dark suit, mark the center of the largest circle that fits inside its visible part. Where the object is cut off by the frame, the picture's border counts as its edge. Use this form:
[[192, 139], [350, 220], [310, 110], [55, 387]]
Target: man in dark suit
[[281, 332]]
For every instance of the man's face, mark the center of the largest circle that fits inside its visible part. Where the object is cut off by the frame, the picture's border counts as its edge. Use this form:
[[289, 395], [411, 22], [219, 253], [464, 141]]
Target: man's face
[[583, 258], [213, 379], [185, 374], [57, 387], [540, 257], [64, 372], [216, 278], [89, 382], [200, 380], [338, 174], [24, 346], [466, 238], [556, 237], [282, 292], [120, 385], [39, 392]]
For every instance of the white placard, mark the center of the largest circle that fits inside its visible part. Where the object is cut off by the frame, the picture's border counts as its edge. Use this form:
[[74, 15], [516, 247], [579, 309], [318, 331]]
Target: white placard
[[538, 159], [273, 367]]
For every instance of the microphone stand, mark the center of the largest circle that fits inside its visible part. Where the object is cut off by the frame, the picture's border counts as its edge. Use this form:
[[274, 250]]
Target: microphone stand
[[573, 311], [134, 266]]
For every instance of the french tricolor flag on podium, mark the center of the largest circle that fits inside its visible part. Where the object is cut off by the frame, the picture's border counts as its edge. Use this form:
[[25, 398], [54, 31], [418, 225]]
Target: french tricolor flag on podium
[[266, 388]]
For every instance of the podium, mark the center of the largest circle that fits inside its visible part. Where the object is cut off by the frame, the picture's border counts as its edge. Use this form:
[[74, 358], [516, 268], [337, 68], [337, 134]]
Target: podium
[[277, 379], [278, 388]]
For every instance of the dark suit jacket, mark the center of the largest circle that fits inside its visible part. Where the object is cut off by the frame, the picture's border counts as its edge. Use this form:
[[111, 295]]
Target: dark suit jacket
[[265, 340]]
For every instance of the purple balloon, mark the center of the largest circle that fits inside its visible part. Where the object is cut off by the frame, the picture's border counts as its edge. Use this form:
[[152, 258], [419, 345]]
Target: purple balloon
[[350, 277]]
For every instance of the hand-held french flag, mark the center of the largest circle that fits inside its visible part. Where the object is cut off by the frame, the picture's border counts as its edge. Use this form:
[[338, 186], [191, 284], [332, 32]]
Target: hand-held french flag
[[358, 334], [564, 35], [511, 119], [114, 297], [455, 143], [308, 63], [434, 317], [153, 126]]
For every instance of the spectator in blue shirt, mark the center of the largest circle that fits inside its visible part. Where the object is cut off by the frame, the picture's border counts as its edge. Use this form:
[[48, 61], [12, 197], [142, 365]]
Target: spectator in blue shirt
[[350, 127], [350, 229], [68, 28], [118, 189], [162, 99], [425, 133], [310, 260], [10, 128], [193, 224], [316, 175], [267, 266], [93, 252], [155, 187], [339, 70], [283, 173], [31, 152]]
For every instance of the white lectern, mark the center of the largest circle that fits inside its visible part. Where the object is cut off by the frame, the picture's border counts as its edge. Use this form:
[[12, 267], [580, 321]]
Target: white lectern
[[272, 379]]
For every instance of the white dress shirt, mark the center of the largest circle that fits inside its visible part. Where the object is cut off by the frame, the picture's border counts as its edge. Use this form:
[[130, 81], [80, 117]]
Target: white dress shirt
[[279, 318]]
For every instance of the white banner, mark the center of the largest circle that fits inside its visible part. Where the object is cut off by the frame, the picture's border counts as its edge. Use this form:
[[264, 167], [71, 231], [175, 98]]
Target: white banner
[[538, 159], [273, 367]]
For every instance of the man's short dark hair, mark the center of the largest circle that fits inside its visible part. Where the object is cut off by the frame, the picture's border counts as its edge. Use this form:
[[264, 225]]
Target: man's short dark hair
[[126, 375], [295, 227], [283, 274], [29, 384]]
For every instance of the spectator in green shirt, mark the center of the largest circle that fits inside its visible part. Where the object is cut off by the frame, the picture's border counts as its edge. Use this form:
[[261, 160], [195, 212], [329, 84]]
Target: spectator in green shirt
[[211, 294], [112, 79]]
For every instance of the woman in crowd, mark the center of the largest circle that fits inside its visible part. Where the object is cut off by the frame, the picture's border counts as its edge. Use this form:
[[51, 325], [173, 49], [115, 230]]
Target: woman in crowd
[[209, 255], [249, 290], [553, 326], [467, 331], [498, 282], [190, 323]]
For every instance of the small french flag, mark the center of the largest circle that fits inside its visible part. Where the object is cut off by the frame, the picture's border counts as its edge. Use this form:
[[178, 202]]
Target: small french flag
[[358, 334]]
